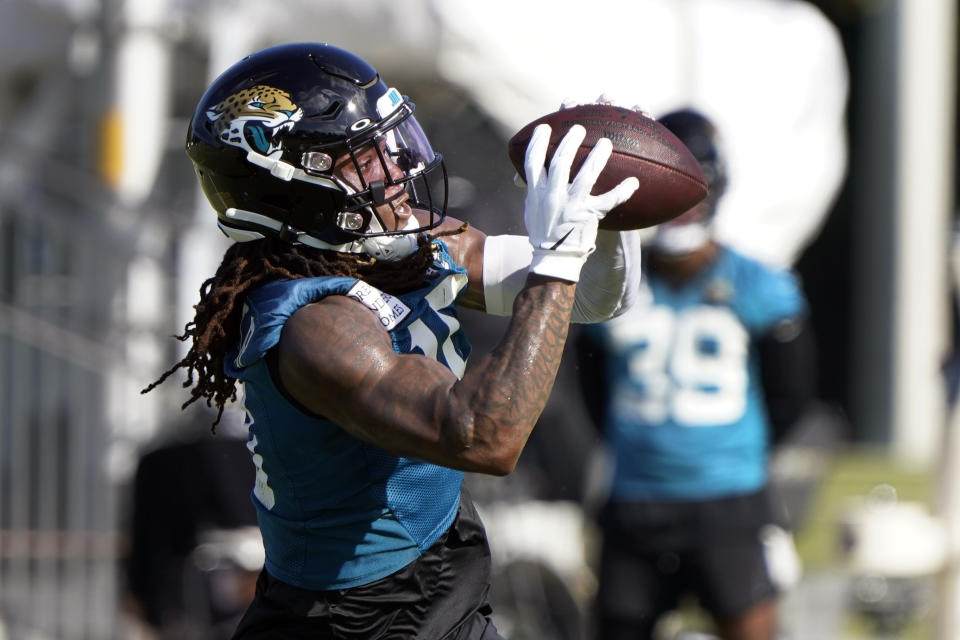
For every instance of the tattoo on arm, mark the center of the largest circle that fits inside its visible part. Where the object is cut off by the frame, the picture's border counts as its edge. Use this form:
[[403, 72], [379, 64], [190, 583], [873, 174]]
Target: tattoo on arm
[[411, 405], [509, 387]]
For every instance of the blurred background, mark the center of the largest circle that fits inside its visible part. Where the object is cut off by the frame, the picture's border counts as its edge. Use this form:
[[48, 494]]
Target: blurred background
[[120, 516]]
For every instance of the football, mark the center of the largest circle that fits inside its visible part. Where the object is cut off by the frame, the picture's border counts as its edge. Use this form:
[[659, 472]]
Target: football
[[670, 177]]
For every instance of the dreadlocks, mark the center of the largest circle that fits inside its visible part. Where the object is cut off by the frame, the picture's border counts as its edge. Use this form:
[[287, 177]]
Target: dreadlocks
[[215, 327]]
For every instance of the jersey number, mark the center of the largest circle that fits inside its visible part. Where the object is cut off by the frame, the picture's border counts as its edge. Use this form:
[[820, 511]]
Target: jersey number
[[691, 366]]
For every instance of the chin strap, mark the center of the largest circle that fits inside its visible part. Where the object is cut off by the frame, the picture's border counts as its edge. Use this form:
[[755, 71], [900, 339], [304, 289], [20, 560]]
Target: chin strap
[[391, 248], [387, 248], [274, 227]]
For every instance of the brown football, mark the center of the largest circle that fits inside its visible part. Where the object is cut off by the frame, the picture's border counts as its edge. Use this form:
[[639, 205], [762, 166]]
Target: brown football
[[670, 177]]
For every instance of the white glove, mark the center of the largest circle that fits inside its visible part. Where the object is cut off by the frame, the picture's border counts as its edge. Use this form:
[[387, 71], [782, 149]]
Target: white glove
[[562, 217]]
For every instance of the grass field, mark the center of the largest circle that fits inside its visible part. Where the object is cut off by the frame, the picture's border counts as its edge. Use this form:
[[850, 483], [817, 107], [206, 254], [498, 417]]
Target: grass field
[[850, 475], [853, 474]]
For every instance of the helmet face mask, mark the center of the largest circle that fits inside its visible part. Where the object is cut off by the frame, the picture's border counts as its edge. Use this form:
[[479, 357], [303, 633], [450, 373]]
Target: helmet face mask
[[395, 165], [306, 142]]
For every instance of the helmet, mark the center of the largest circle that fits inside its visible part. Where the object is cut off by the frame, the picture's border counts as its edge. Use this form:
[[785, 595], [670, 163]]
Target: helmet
[[692, 230], [700, 136], [273, 137]]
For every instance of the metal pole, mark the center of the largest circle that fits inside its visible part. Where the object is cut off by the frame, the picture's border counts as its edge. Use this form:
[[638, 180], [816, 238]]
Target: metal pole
[[923, 431], [925, 94]]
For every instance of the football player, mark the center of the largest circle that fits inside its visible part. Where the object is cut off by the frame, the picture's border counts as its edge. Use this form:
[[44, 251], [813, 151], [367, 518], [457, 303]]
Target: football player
[[336, 309], [690, 389]]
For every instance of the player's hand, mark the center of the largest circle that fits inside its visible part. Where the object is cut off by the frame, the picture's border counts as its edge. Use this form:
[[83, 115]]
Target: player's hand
[[562, 217], [604, 98]]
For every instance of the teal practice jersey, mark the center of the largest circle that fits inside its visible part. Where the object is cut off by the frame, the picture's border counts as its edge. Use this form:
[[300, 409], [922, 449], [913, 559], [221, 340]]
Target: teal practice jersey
[[686, 417], [336, 512]]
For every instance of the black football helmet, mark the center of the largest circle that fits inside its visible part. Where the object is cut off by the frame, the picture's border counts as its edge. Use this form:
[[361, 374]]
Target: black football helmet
[[692, 230], [268, 133], [700, 136]]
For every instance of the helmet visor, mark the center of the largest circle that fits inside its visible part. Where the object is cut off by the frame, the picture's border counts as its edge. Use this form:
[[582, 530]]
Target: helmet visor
[[395, 163]]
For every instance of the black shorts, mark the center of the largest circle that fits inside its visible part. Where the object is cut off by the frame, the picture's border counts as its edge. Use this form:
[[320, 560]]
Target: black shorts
[[655, 553], [443, 595]]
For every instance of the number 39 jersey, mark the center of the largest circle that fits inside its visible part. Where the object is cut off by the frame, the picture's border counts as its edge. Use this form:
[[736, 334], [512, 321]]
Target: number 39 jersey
[[336, 512], [686, 417]]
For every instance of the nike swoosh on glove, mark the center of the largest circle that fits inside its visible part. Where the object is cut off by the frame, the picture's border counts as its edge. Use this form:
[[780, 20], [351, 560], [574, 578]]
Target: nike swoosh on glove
[[561, 216]]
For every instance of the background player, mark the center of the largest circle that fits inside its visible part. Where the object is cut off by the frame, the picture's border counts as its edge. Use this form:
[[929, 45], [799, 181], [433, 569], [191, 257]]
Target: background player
[[336, 311], [689, 387], [195, 551]]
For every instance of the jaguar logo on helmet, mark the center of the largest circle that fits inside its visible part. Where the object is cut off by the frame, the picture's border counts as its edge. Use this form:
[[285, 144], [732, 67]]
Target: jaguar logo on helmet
[[253, 119]]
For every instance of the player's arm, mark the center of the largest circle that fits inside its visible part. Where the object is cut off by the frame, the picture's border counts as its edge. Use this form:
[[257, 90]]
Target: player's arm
[[412, 405], [592, 374], [788, 370]]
